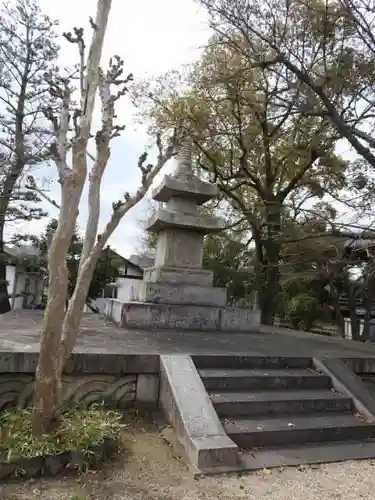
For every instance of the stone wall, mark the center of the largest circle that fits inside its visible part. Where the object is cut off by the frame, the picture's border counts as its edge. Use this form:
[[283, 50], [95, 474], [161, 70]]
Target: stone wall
[[118, 381]]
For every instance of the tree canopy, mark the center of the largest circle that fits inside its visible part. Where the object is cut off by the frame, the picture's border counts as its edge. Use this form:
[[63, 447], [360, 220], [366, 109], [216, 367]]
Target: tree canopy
[[274, 167]]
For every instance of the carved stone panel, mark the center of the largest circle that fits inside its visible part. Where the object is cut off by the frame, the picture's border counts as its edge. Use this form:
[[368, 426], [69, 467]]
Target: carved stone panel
[[115, 391]]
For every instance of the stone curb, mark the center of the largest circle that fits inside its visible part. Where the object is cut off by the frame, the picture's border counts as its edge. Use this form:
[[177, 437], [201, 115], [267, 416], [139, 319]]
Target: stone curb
[[347, 382], [187, 406]]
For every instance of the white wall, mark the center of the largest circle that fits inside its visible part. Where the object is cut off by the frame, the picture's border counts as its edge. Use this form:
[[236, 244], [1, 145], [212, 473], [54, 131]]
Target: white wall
[[10, 276], [10, 272], [20, 286], [125, 286], [124, 289], [34, 290]]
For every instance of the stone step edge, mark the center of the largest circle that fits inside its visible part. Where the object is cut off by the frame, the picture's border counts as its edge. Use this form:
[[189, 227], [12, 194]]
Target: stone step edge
[[312, 422], [220, 361], [296, 456], [210, 373], [272, 396]]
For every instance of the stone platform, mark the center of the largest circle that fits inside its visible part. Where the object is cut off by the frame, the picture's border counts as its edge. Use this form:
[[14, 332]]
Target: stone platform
[[198, 380], [20, 330]]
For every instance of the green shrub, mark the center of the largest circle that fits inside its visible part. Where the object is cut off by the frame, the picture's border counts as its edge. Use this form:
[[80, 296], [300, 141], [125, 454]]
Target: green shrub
[[303, 311], [80, 430]]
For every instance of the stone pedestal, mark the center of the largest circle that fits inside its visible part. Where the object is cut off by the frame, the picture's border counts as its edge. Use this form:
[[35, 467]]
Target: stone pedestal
[[176, 292]]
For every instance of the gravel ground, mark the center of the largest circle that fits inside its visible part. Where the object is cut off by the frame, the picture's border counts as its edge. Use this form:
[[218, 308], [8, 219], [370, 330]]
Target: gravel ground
[[150, 470]]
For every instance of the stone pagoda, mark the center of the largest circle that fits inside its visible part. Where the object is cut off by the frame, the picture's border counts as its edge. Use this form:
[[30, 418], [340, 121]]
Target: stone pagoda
[[177, 292]]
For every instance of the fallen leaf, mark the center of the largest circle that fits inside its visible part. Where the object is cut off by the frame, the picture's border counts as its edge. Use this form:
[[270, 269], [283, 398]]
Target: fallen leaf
[[266, 472]]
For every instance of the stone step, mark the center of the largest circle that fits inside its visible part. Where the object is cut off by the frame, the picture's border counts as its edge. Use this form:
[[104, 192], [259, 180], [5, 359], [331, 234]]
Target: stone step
[[297, 429], [236, 404], [269, 458], [309, 454], [255, 362], [258, 379]]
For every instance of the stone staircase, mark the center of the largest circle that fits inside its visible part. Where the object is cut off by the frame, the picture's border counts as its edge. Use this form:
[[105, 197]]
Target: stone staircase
[[282, 412]]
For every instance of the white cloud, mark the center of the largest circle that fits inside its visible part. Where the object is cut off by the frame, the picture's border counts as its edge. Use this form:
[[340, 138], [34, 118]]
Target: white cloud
[[152, 38]]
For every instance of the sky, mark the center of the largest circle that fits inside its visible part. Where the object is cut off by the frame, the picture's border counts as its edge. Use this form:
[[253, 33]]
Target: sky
[[152, 38]]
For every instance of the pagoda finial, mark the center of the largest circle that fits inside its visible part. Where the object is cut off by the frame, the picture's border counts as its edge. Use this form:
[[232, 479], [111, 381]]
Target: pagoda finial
[[184, 158]]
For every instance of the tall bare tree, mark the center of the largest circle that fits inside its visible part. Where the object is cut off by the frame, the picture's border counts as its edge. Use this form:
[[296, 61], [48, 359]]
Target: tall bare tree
[[61, 326], [27, 50]]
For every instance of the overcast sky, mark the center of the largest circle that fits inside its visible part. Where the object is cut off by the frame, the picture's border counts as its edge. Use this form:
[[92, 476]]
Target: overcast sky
[[152, 37]]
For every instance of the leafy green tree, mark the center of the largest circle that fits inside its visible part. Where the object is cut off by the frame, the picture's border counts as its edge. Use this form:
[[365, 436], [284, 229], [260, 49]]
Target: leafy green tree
[[324, 49], [106, 270], [223, 255], [265, 158]]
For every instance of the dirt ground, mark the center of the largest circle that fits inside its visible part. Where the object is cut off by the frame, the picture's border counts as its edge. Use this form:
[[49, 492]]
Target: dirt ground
[[151, 470]]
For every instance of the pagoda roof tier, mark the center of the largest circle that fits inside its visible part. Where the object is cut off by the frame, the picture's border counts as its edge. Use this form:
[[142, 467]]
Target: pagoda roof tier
[[165, 219], [188, 186]]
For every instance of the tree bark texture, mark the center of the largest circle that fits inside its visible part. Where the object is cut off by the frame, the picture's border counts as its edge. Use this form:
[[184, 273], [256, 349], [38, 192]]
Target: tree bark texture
[[272, 246], [47, 394]]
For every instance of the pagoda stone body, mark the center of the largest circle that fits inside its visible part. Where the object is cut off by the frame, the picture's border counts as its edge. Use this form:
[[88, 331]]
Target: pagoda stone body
[[177, 292]]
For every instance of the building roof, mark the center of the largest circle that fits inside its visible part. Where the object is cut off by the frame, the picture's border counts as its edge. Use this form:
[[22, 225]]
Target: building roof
[[141, 261], [19, 254], [132, 260], [22, 251], [27, 251]]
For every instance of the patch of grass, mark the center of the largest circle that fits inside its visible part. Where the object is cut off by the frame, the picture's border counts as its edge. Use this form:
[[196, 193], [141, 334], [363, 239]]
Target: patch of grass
[[80, 430]]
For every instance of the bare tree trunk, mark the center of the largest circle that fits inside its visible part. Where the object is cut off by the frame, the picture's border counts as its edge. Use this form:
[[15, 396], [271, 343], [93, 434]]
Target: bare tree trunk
[[368, 300], [75, 309], [48, 374], [340, 320], [61, 327], [4, 295], [72, 179], [272, 246]]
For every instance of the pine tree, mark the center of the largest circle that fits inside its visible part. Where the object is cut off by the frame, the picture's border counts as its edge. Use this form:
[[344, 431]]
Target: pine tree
[[27, 53]]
